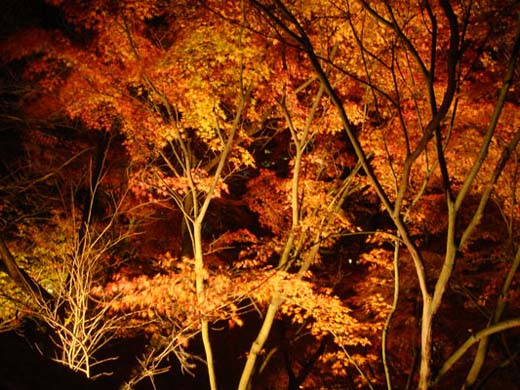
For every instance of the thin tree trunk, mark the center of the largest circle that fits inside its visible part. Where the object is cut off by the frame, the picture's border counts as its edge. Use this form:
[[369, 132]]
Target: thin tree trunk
[[480, 356], [258, 344], [201, 298], [426, 346], [384, 333], [431, 305], [21, 277]]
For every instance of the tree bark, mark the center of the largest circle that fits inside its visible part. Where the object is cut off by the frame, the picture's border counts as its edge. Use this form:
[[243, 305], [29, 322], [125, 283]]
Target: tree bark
[[201, 298], [21, 277], [258, 344]]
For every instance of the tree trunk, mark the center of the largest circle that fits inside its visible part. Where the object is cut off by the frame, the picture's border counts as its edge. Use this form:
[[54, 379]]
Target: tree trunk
[[426, 346], [258, 344], [201, 297], [21, 277]]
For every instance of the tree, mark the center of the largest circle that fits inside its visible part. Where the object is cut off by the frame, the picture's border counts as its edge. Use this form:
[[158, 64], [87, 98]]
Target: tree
[[289, 24], [62, 259]]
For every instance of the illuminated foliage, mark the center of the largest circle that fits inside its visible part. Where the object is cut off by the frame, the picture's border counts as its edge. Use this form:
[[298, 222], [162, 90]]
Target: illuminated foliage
[[335, 167]]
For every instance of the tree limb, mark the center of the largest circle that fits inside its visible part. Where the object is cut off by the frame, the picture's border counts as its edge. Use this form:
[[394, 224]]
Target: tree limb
[[496, 328], [21, 277]]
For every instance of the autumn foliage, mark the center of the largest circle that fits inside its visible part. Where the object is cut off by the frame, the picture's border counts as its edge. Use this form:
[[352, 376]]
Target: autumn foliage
[[333, 185]]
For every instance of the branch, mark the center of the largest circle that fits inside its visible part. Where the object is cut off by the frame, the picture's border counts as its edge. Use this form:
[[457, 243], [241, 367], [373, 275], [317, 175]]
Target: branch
[[506, 85], [361, 155], [475, 220], [21, 277], [394, 26], [384, 334], [496, 328], [95, 179]]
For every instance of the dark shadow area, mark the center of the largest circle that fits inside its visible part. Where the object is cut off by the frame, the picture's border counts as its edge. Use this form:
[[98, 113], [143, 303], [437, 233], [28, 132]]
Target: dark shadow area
[[22, 367]]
